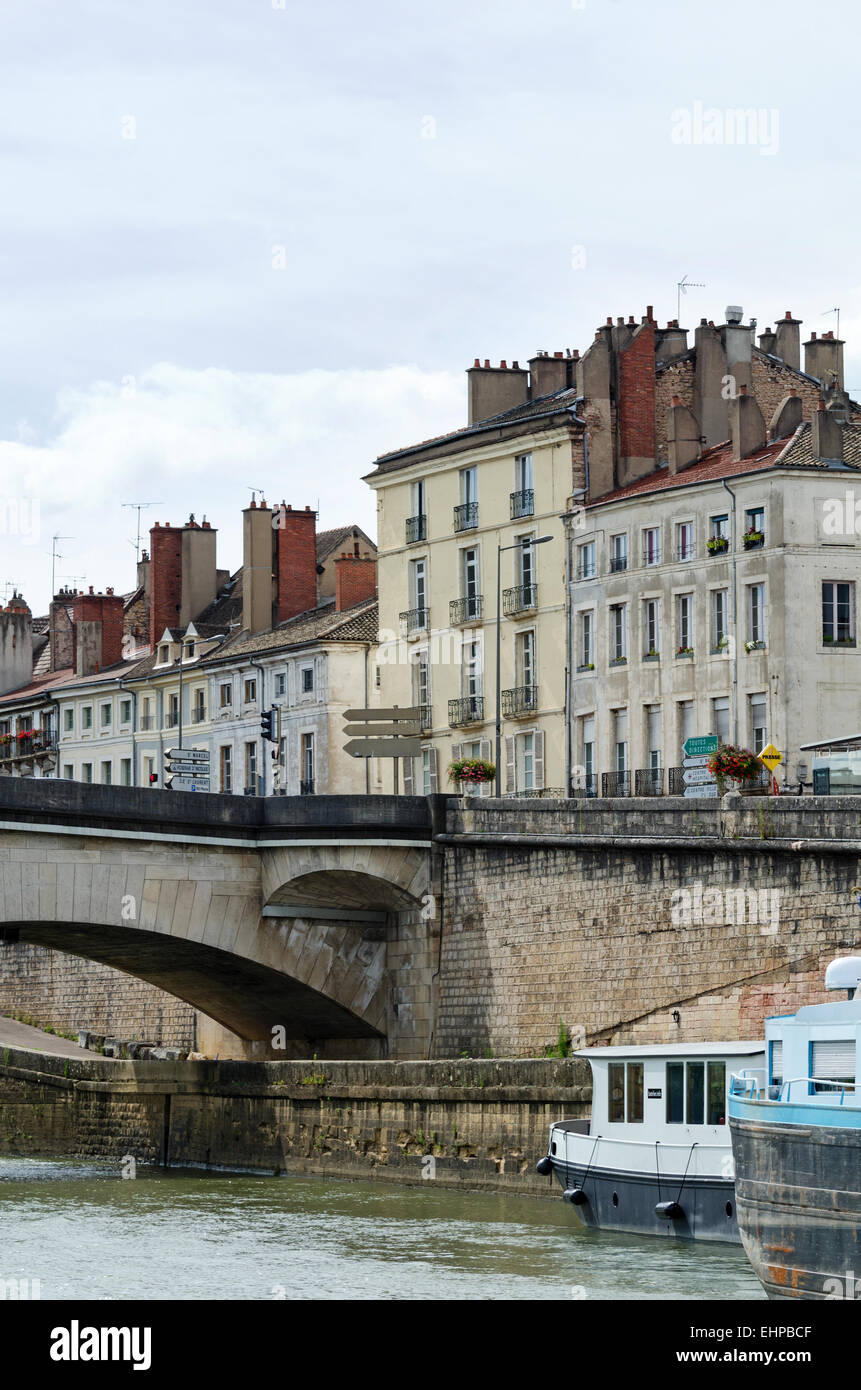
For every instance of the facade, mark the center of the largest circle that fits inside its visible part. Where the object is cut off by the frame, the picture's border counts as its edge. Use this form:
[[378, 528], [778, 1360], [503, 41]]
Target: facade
[[458, 519]]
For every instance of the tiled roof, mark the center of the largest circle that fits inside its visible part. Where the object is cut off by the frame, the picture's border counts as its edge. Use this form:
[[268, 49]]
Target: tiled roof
[[323, 624], [543, 405], [329, 541], [59, 680], [799, 449]]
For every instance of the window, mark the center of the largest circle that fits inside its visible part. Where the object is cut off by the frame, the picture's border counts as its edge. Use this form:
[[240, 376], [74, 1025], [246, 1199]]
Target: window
[[625, 1092], [523, 473], [250, 690], [653, 736], [470, 585], [426, 771], [587, 639], [68, 720], [686, 720], [758, 722], [225, 695], [307, 762], [652, 626], [719, 529], [307, 679], [775, 1051], [471, 667], [416, 527], [198, 709], [378, 678], [838, 613], [720, 619], [69, 772], [652, 546], [105, 716], [720, 718], [107, 773], [173, 711], [87, 717], [251, 766], [226, 769], [125, 711], [754, 527], [586, 560], [832, 1061], [418, 585], [468, 485], [587, 748], [418, 490], [756, 614], [620, 740], [526, 562], [87, 772], [525, 659], [685, 540], [675, 1093], [421, 683], [685, 622], [618, 553], [281, 683], [527, 755], [149, 770], [696, 1093], [716, 1094], [618, 632], [126, 772]]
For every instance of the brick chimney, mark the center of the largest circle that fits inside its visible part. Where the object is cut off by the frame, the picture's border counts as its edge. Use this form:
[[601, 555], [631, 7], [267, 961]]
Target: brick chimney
[[495, 389], [165, 548], [257, 559], [16, 645], [98, 629], [295, 561], [355, 579], [636, 399]]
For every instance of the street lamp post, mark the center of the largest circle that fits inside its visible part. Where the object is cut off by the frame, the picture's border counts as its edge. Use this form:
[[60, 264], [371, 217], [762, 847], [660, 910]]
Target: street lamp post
[[518, 545]]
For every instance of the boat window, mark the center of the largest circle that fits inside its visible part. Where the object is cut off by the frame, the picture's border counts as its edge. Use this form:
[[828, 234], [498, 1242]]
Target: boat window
[[696, 1093], [717, 1093], [675, 1093], [832, 1061], [635, 1092], [777, 1062], [616, 1092]]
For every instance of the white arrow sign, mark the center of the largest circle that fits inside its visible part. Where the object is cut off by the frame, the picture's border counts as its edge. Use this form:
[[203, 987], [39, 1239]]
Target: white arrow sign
[[186, 784], [697, 762], [707, 789], [696, 776], [191, 755]]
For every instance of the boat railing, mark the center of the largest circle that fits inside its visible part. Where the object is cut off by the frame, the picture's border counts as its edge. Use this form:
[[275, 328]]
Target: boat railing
[[748, 1084], [647, 1143], [814, 1084]]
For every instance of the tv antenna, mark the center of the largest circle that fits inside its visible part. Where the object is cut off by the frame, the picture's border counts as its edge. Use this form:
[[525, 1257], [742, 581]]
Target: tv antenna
[[254, 491], [826, 312], [682, 287], [55, 556], [139, 507]]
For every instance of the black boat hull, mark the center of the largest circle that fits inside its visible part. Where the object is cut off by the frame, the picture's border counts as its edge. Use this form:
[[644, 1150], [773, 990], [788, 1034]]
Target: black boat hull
[[625, 1201]]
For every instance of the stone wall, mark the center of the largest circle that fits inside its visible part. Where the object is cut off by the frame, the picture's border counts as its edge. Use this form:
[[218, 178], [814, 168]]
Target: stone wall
[[480, 1125]]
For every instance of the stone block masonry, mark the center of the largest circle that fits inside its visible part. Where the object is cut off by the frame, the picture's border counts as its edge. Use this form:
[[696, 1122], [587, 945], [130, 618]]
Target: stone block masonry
[[479, 1125]]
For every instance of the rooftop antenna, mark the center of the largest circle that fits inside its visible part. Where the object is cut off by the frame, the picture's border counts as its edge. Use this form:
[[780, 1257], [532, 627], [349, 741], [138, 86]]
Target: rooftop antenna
[[682, 287], [826, 312], [10, 584], [55, 556], [254, 491], [139, 507]]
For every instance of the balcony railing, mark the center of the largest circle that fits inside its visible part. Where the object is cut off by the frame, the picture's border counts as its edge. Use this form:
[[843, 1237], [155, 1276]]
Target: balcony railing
[[414, 619], [615, 784], [467, 710], [466, 516], [147, 722], [416, 529], [425, 717], [649, 781], [465, 610], [198, 715], [11, 747], [171, 719], [652, 557], [585, 571], [522, 699], [618, 563], [519, 599], [522, 503], [675, 781], [306, 787], [685, 552], [584, 784]]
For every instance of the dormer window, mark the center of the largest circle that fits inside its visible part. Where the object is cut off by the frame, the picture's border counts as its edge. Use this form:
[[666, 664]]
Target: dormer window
[[163, 654]]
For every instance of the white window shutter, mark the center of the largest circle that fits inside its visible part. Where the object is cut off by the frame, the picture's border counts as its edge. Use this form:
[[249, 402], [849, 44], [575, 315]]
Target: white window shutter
[[486, 788], [434, 777], [510, 777], [407, 764], [538, 761]]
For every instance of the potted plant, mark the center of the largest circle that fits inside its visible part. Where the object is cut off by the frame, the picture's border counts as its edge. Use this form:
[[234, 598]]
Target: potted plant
[[470, 772], [752, 539], [716, 545], [684, 651], [733, 764], [651, 655]]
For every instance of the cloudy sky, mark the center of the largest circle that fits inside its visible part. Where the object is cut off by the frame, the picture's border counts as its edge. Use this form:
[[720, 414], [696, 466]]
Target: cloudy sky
[[246, 244]]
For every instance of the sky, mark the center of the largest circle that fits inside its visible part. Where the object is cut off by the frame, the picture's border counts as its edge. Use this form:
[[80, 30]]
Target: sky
[[254, 244]]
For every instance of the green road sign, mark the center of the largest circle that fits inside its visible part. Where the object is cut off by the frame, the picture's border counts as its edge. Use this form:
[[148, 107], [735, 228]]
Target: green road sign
[[704, 744]]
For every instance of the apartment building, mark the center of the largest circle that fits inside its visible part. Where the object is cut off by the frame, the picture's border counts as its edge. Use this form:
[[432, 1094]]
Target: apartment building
[[469, 525]]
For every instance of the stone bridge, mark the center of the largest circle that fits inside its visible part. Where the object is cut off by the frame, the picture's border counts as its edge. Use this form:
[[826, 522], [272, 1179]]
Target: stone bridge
[[312, 915]]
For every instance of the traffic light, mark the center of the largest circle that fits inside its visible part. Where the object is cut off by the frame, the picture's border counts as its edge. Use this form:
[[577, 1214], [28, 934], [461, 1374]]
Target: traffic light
[[153, 777], [267, 725]]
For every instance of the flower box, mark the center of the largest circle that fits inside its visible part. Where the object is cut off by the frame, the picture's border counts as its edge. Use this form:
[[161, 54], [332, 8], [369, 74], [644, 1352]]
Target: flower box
[[753, 540], [684, 652], [717, 545], [651, 656]]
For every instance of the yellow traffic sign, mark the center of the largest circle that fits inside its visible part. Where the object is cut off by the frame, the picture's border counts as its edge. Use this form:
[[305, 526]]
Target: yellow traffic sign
[[771, 756]]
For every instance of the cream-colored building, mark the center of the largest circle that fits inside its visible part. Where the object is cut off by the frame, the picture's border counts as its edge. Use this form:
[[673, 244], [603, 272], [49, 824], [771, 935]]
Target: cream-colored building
[[445, 507]]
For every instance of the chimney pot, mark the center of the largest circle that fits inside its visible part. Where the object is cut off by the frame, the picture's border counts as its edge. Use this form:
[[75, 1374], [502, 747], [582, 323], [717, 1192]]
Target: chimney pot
[[813, 337], [742, 390], [516, 366], [788, 314], [630, 318], [649, 312], [476, 363], [677, 400], [487, 361], [609, 322], [559, 354]]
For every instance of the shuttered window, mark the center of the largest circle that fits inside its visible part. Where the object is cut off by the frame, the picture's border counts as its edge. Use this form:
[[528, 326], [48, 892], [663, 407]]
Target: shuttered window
[[777, 1062], [833, 1060]]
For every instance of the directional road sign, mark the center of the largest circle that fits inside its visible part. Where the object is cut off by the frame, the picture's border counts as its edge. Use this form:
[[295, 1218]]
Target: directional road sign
[[186, 784], [410, 713], [193, 769], [705, 789], [701, 744], [383, 747], [702, 761], [189, 755], [396, 738], [696, 776], [384, 730]]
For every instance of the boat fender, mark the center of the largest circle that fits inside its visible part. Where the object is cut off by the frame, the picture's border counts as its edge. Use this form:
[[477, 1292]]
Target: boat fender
[[670, 1211], [544, 1165], [575, 1195]]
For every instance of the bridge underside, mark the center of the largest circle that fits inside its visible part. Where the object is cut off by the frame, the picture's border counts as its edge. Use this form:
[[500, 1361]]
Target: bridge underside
[[248, 998]]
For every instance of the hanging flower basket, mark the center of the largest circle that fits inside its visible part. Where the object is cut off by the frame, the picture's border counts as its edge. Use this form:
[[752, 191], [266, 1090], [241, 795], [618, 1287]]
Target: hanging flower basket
[[733, 764], [471, 772]]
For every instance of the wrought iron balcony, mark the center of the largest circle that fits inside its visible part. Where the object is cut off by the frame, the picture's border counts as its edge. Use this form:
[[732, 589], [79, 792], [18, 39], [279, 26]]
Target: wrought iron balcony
[[171, 719], [649, 781], [652, 557], [584, 784], [198, 715], [519, 600], [414, 619], [618, 563], [615, 784], [465, 610], [416, 529], [306, 787], [675, 781], [36, 742], [522, 503], [466, 516], [586, 571], [521, 700], [685, 551], [425, 717], [468, 710], [147, 722]]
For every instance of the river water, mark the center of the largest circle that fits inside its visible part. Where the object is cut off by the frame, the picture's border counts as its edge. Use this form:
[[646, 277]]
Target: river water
[[86, 1233]]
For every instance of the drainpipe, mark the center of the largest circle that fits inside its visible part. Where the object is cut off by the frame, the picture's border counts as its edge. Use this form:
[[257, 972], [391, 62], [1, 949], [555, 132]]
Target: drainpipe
[[255, 666], [734, 648], [367, 761]]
